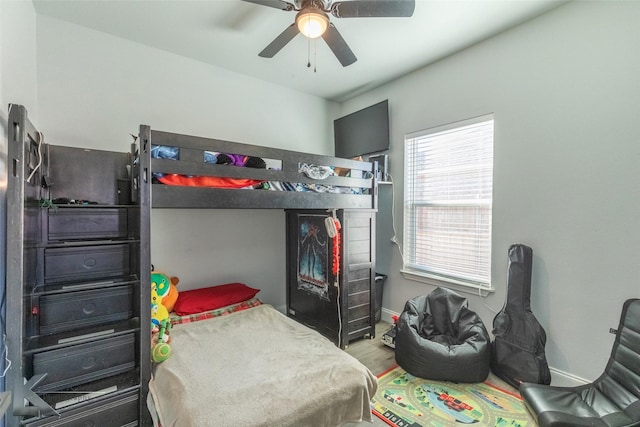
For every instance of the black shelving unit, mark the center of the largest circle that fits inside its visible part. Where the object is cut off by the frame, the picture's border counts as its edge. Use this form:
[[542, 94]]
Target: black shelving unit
[[78, 318]]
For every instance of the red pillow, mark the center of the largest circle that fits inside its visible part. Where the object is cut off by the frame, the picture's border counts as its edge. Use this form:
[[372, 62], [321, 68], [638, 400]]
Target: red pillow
[[211, 298]]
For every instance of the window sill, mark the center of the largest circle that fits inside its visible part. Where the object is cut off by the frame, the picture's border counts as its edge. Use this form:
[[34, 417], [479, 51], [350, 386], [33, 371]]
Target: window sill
[[448, 283]]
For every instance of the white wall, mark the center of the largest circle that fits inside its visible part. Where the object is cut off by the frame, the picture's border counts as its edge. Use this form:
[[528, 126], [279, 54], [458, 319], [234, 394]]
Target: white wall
[[96, 89], [18, 57], [565, 92], [18, 86]]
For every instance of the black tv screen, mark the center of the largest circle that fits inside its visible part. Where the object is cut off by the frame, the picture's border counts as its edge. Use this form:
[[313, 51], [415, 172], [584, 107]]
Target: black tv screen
[[363, 132]]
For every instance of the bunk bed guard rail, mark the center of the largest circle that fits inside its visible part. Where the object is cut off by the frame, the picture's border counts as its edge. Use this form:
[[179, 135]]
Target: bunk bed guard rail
[[237, 175]]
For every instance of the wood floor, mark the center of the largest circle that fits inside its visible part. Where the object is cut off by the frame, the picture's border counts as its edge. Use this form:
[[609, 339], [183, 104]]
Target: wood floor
[[377, 357], [372, 353]]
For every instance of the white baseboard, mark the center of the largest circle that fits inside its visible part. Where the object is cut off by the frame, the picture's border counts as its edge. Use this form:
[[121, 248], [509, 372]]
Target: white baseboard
[[564, 379], [386, 315], [558, 378]]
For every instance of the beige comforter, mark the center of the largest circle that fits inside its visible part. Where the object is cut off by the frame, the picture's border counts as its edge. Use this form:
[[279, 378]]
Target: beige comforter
[[258, 368]]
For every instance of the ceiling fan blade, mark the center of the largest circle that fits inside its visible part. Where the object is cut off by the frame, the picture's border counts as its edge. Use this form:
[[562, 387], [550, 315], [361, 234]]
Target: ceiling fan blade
[[278, 4], [339, 47], [373, 8], [279, 42]]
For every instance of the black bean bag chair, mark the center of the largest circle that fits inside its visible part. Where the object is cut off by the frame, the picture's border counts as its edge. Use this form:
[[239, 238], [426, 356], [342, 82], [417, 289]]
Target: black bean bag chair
[[439, 338]]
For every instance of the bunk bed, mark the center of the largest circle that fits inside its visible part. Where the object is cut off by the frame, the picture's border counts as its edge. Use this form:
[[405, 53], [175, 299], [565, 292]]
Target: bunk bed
[[330, 388], [358, 190]]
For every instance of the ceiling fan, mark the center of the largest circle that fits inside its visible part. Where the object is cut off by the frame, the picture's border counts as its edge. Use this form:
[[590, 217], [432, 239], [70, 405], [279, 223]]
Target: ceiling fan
[[312, 20]]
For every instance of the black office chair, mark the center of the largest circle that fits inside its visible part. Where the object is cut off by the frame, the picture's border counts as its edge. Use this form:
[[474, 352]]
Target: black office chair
[[612, 400]]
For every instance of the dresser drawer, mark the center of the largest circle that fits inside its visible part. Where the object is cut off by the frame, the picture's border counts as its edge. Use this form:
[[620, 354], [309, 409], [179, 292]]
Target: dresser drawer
[[357, 312], [83, 363], [85, 262], [118, 411], [73, 310], [86, 223], [359, 327]]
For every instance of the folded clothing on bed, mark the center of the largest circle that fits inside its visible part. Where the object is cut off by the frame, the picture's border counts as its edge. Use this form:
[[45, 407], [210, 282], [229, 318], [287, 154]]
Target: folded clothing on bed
[[173, 153], [317, 172]]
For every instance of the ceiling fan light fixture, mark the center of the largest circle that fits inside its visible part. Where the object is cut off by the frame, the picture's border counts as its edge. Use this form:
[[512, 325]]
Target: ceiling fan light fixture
[[312, 23]]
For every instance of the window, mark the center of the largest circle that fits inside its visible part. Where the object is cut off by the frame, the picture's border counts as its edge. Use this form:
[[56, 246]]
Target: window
[[448, 197]]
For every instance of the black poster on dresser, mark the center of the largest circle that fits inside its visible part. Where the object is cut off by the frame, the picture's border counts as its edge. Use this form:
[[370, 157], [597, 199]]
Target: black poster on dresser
[[313, 256], [312, 297]]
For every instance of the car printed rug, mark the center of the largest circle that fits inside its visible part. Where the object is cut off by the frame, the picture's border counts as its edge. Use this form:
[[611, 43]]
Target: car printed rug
[[403, 400]]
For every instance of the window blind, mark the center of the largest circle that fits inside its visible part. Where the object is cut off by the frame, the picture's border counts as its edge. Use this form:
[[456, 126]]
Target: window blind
[[448, 200]]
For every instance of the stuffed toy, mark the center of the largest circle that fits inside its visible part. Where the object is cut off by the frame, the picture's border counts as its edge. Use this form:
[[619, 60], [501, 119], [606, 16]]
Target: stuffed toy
[[161, 283], [169, 300], [166, 289], [160, 325], [161, 286], [160, 348], [159, 312]]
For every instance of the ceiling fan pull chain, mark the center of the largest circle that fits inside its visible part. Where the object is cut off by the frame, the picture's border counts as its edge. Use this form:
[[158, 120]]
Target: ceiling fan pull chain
[[315, 56], [308, 52]]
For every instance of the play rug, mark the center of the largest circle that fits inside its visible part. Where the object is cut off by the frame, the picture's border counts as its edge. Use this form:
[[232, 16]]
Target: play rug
[[406, 401]]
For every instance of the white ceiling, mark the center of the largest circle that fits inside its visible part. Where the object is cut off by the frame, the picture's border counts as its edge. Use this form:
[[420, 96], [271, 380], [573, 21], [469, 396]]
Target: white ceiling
[[231, 33]]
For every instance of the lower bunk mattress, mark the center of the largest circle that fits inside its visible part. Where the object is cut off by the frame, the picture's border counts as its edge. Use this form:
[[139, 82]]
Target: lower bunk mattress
[[257, 367]]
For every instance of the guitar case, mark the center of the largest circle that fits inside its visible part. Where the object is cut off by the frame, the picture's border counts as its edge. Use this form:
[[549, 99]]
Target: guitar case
[[517, 354]]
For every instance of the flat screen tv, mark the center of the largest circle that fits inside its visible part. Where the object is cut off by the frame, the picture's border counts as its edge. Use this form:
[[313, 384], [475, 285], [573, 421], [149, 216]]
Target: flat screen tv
[[363, 132]]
